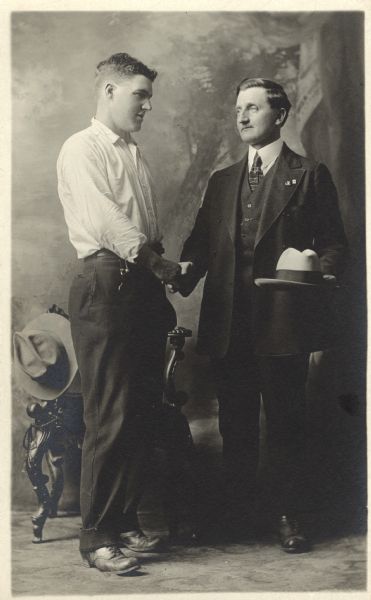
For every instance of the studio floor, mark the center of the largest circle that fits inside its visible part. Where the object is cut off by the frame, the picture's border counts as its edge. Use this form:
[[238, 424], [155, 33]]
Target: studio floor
[[337, 563]]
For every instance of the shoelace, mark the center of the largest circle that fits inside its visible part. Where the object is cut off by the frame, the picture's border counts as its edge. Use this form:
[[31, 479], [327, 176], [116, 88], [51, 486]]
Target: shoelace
[[136, 533], [114, 552]]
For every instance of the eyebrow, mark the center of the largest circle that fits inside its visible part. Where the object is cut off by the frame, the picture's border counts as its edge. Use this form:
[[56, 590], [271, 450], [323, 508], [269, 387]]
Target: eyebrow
[[249, 105], [145, 92]]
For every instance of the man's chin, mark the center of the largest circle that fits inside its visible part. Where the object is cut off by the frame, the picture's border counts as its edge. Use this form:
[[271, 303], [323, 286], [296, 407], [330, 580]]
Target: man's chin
[[135, 126], [139, 122], [247, 136]]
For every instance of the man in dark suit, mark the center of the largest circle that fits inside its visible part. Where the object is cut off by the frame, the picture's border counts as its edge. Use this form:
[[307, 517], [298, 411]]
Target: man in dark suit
[[271, 200]]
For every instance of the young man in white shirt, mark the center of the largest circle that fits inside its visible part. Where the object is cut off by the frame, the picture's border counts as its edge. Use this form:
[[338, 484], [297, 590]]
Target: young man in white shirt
[[119, 312]]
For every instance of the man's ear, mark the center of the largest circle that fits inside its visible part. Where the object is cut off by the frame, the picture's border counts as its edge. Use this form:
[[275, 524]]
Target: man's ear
[[108, 89], [281, 116]]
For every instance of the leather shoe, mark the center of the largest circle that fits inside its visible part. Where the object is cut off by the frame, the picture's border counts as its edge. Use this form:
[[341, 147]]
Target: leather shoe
[[292, 540], [137, 541], [111, 559]]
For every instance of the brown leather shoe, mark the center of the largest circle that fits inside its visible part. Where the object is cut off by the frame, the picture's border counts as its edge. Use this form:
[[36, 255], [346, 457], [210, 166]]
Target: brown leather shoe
[[292, 540], [137, 541], [111, 559]]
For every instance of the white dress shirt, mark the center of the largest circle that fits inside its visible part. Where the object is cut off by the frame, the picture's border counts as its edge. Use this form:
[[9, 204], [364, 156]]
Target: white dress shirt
[[106, 192], [268, 154]]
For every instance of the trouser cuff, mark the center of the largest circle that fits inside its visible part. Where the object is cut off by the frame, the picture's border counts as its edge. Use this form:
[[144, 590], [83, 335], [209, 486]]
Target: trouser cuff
[[92, 539]]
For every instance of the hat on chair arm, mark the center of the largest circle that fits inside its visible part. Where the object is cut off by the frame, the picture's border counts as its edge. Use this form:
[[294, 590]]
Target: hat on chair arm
[[296, 269], [44, 358]]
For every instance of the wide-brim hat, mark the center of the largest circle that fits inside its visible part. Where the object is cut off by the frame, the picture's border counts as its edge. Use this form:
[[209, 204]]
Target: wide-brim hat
[[297, 269], [44, 357]]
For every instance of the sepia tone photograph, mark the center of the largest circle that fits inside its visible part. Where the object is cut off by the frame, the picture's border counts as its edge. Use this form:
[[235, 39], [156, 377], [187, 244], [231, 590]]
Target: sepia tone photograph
[[188, 302]]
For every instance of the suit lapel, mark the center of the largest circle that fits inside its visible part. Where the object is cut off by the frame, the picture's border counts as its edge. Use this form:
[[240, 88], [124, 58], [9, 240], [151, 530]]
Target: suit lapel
[[229, 190], [279, 189]]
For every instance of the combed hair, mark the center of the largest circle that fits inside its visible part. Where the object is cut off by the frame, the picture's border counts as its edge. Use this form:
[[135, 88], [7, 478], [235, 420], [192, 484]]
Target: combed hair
[[276, 95], [124, 65]]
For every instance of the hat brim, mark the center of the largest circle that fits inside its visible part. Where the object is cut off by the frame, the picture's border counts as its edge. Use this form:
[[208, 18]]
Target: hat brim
[[59, 326], [284, 284]]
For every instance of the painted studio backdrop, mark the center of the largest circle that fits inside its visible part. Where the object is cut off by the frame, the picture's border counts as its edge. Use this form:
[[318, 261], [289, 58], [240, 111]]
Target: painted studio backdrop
[[200, 57]]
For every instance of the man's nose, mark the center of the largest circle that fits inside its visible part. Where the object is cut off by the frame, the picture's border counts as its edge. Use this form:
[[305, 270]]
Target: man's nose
[[147, 105], [243, 117]]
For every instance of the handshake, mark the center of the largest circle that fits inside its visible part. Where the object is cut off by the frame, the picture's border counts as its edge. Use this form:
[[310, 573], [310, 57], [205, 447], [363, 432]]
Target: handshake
[[182, 279], [176, 276]]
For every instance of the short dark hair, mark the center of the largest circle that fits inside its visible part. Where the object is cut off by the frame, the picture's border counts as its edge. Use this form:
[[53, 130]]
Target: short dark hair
[[124, 65], [276, 95]]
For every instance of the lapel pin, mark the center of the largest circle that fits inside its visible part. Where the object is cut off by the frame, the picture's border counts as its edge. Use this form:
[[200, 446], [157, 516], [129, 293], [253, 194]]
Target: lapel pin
[[294, 181], [288, 182]]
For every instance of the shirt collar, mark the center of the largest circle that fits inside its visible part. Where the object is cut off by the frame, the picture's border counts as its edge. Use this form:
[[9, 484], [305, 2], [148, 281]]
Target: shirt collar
[[100, 128], [268, 153]]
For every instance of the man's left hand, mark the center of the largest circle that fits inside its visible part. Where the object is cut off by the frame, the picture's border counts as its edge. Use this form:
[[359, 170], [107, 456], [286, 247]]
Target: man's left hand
[[186, 268]]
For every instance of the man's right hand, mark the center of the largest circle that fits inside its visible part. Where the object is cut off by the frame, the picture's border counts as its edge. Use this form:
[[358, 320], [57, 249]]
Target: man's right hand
[[182, 277], [165, 270]]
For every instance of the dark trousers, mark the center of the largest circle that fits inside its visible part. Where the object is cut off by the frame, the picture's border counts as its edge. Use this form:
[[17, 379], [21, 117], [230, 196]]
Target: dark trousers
[[242, 380], [119, 334]]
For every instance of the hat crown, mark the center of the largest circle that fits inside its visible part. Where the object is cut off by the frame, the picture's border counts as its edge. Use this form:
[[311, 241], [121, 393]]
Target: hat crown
[[37, 351], [294, 260], [44, 358]]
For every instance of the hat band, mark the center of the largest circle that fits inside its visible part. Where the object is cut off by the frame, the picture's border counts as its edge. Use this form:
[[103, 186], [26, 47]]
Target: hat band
[[56, 376], [299, 276]]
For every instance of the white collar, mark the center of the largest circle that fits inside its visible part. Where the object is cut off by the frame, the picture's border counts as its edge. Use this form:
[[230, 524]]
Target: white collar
[[268, 153], [100, 127]]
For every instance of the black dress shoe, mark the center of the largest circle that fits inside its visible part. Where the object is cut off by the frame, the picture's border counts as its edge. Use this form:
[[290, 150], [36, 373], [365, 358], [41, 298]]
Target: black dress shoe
[[137, 541], [292, 540], [110, 559]]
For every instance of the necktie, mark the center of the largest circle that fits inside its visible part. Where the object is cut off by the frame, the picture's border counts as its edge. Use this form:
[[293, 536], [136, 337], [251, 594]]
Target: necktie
[[256, 173]]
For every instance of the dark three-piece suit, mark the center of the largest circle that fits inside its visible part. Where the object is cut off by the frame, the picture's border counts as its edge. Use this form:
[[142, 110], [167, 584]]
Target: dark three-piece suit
[[259, 340]]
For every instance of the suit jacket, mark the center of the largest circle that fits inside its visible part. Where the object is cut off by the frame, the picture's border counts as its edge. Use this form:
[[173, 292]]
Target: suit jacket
[[301, 214]]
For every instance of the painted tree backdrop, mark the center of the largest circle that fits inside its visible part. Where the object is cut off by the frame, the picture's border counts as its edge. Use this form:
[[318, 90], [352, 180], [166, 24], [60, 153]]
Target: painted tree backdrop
[[201, 57]]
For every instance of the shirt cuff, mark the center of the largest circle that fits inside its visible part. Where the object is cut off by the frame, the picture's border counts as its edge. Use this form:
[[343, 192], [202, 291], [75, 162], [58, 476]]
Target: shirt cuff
[[129, 251]]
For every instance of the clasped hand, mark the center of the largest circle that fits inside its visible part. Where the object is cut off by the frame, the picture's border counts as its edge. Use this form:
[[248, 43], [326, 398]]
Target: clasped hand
[[181, 278], [174, 275]]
